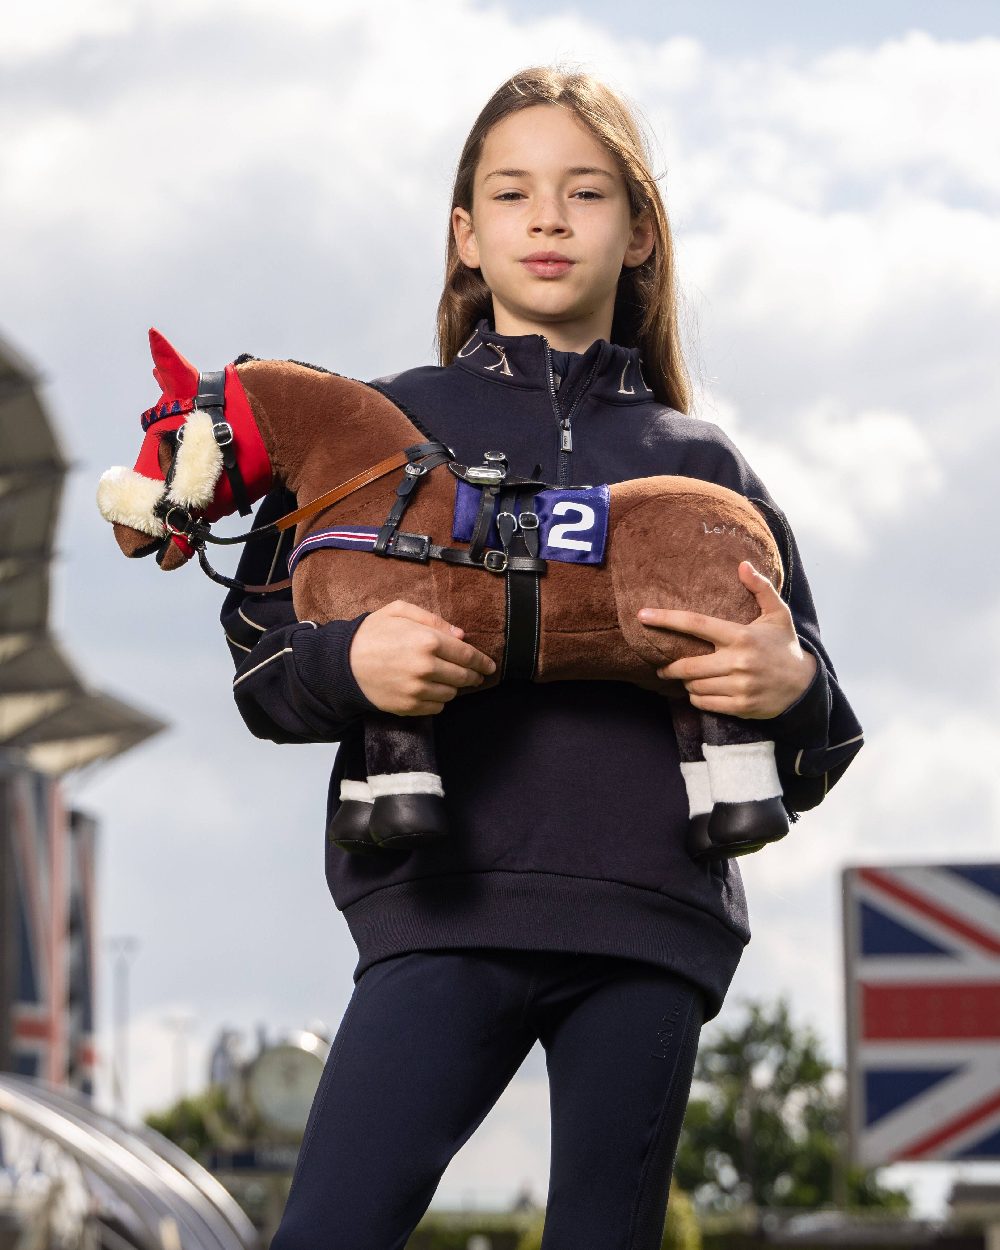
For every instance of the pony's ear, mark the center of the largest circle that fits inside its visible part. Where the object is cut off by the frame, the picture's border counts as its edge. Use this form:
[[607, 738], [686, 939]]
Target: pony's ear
[[176, 377]]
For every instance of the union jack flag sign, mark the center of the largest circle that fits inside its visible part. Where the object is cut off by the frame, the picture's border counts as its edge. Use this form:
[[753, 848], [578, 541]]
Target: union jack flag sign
[[922, 958]]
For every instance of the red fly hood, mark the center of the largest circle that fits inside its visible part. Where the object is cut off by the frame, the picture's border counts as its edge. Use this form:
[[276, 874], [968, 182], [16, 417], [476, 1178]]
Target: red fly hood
[[200, 482], [178, 380]]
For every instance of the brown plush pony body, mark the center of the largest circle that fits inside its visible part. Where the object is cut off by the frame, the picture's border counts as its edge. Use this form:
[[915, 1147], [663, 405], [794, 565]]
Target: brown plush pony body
[[673, 542]]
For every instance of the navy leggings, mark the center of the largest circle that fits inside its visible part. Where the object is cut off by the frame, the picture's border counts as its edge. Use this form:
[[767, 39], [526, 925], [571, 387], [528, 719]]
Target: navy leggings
[[429, 1042]]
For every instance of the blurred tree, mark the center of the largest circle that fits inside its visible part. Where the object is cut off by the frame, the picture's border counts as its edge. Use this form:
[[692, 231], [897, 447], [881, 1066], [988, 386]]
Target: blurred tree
[[680, 1232], [768, 1127], [190, 1121]]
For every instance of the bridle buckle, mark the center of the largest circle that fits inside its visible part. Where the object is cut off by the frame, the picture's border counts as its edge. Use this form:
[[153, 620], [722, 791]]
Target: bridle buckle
[[171, 527]]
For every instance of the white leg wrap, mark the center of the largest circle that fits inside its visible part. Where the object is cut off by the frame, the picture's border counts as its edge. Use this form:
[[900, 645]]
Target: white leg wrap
[[405, 783], [742, 772], [359, 791], [699, 787]]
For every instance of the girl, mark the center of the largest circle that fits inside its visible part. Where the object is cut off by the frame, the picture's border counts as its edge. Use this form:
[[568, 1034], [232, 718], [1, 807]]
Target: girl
[[564, 908]]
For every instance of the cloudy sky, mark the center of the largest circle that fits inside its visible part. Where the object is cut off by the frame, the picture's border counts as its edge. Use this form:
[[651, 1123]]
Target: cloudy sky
[[275, 180]]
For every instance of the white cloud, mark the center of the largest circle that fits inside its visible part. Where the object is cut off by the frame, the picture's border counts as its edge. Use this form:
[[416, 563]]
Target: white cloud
[[913, 106], [42, 27], [843, 479], [865, 301], [914, 111]]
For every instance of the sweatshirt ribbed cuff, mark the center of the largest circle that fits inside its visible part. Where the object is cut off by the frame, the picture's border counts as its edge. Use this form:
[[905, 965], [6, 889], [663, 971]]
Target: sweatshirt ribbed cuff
[[806, 722], [322, 661]]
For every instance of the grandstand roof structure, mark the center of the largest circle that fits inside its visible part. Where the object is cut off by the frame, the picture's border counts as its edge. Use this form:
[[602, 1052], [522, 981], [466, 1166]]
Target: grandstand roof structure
[[48, 715]]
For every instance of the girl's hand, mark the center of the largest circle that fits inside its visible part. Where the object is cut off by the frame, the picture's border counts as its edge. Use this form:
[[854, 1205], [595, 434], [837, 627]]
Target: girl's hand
[[756, 671], [412, 662]]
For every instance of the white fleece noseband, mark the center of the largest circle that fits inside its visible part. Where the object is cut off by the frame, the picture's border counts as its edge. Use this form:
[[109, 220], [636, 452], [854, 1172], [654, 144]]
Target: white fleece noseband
[[128, 498]]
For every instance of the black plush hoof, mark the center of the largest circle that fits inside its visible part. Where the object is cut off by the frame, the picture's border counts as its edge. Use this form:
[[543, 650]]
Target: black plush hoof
[[405, 820], [698, 841], [742, 828], [349, 828]]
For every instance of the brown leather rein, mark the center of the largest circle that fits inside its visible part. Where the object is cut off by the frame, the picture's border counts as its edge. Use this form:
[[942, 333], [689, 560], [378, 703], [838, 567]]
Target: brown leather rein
[[342, 491], [198, 532]]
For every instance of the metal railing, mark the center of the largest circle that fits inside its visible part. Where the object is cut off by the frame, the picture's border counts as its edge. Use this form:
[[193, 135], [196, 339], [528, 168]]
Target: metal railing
[[142, 1189]]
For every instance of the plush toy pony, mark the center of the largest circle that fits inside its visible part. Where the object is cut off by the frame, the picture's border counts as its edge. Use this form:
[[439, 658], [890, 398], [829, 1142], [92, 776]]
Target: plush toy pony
[[545, 581]]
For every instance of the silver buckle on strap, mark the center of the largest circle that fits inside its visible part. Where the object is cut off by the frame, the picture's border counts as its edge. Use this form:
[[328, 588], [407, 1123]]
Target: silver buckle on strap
[[480, 473], [495, 561]]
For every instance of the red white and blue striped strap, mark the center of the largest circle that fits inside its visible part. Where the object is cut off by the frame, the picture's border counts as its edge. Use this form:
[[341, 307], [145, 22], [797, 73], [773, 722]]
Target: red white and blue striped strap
[[349, 537]]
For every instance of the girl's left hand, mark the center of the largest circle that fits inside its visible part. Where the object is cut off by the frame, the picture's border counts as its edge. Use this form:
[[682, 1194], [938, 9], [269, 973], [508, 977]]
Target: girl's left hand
[[756, 671]]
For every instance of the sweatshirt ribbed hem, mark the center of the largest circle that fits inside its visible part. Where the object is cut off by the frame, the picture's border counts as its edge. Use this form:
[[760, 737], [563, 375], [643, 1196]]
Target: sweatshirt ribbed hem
[[546, 911]]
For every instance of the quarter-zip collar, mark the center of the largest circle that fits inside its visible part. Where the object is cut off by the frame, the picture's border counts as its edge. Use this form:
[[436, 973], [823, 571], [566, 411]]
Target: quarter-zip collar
[[525, 361]]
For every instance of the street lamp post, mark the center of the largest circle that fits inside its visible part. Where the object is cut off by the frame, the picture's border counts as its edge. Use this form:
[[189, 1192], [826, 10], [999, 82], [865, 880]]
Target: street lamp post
[[123, 948], [180, 1023]]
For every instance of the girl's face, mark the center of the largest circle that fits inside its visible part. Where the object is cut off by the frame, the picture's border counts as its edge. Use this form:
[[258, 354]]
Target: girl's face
[[550, 227]]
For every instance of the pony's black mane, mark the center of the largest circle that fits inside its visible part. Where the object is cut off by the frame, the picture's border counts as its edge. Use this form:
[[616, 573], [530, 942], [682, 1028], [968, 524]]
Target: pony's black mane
[[415, 420]]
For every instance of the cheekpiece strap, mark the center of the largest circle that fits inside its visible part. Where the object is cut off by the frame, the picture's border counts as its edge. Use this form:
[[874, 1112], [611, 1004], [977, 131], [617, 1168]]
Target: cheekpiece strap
[[211, 398]]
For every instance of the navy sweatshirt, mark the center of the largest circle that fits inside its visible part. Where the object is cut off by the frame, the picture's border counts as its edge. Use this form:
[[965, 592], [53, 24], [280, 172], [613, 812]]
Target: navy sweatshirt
[[565, 799]]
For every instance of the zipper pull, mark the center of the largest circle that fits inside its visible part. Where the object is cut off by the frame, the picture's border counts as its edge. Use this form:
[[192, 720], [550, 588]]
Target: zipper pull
[[566, 437]]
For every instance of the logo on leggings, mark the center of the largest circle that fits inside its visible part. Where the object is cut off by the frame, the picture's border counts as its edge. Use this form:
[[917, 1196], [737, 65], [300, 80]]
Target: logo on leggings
[[665, 1035]]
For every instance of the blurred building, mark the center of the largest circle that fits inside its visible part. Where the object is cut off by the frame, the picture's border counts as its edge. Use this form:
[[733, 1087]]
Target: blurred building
[[50, 723]]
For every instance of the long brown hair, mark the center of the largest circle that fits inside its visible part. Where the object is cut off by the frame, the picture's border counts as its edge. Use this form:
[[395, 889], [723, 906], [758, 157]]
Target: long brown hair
[[645, 314]]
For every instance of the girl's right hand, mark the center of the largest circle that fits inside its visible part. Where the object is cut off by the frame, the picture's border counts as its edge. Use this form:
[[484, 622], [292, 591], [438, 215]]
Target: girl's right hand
[[412, 662]]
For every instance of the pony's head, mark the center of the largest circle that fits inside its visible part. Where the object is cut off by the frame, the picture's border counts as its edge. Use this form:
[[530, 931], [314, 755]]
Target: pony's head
[[182, 470]]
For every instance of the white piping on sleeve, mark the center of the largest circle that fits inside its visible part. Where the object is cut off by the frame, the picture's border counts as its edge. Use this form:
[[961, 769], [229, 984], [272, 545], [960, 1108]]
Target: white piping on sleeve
[[856, 738], [262, 628], [833, 747], [257, 667], [233, 643], [283, 651]]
